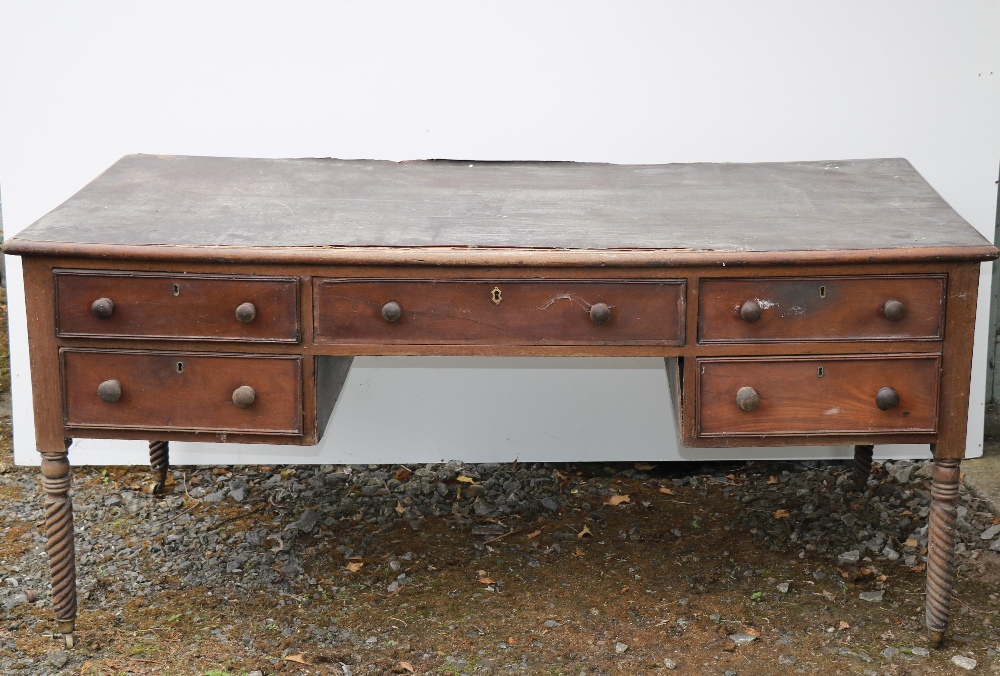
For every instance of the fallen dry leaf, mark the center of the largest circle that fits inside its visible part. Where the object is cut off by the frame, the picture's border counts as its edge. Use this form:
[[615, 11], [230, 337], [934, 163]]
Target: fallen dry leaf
[[578, 552], [299, 657], [402, 474], [911, 542], [534, 534], [919, 568], [355, 566], [585, 531], [843, 625], [772, 480], [752, 631], [510, 641], [407, 666], [643, 466], [829, 596], [466, 480], [781, 514], [666, 491], [616, 500], [486, 580], [882, 578], [399, 507]]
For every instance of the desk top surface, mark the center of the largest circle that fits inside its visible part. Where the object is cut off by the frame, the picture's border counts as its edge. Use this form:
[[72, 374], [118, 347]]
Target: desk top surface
[[191, 202]]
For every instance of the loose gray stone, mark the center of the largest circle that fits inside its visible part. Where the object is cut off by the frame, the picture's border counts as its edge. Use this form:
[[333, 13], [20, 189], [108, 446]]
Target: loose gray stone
[[787, 660], [238, 493], [58, 660], [852, 556], [742, 639], [550, 504], [307, 522], [995, 547], [552, 623], [920, 652], [990, 532], [964, 662], [890, 553], [669, 663], [783, 588], [872, 596], [620, 648], [215, 496], [890, 653]]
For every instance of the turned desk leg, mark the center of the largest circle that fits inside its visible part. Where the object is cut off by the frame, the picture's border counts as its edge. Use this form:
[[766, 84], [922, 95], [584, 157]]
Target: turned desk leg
[[941, 547], [56, 481], [862, 466], [159, 463]]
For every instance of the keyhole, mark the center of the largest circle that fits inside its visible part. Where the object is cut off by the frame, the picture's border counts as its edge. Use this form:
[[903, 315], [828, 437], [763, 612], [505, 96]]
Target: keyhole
[[177, 290], [180, 367], [496, 295], [822, 292], [819, 372]]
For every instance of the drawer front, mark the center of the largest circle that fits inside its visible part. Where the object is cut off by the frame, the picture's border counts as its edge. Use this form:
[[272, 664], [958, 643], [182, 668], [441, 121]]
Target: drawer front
[[817, 395], [822, 309], [510, 312], [182, 391], [178, 307]]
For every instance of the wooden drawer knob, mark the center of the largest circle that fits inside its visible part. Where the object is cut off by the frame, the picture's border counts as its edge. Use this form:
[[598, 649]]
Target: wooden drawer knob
[[244, 396], [750, 311], [887, 398], [600, 313], [103, 308], [246, 312], [747, 399], [893, 310], [392, 311], [109, 391]]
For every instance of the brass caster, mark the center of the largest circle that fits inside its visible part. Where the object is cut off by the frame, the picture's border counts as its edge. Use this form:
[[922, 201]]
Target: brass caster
[[936, 638], [66, 629]]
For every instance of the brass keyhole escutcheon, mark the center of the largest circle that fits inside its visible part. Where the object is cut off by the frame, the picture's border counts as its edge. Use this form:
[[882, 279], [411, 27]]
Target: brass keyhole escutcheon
[[495, 295], [820, 372], [177, 289]]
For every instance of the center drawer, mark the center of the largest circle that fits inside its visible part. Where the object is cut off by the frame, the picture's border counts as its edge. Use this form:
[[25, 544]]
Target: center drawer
[[500, 312], [182, 391]]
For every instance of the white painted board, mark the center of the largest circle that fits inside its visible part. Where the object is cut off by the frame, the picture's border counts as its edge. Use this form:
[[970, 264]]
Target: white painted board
[[635, 82]]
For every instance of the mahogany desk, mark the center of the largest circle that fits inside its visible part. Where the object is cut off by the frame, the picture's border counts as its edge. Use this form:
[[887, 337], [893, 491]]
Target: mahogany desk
[[215, 299]]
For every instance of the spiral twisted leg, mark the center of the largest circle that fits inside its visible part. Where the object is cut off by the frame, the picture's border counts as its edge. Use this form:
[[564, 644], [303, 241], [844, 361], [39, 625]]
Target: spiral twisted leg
[[159, 462], [941, 547], [59, 546], [862, 466]]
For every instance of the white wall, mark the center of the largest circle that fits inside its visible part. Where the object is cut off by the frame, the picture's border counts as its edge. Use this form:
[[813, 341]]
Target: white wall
[[641, 82]]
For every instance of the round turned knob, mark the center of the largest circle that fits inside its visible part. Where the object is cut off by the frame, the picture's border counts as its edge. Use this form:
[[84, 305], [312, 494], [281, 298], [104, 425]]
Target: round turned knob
[[392, 311], [109, 391], [103, 308], [246, 312], [893, 310], [600, 313], [887, 398], [747, 399], [244, 396], [750, 311]]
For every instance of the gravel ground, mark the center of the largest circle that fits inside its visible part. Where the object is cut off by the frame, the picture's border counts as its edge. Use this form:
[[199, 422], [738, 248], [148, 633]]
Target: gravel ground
[[282, 533]]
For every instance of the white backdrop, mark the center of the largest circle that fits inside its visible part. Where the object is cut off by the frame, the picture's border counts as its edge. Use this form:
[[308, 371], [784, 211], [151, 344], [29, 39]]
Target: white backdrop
[[634, 82]]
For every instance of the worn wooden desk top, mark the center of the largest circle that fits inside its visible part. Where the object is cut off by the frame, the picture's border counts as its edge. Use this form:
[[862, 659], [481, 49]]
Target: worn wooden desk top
[[479, 212]]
